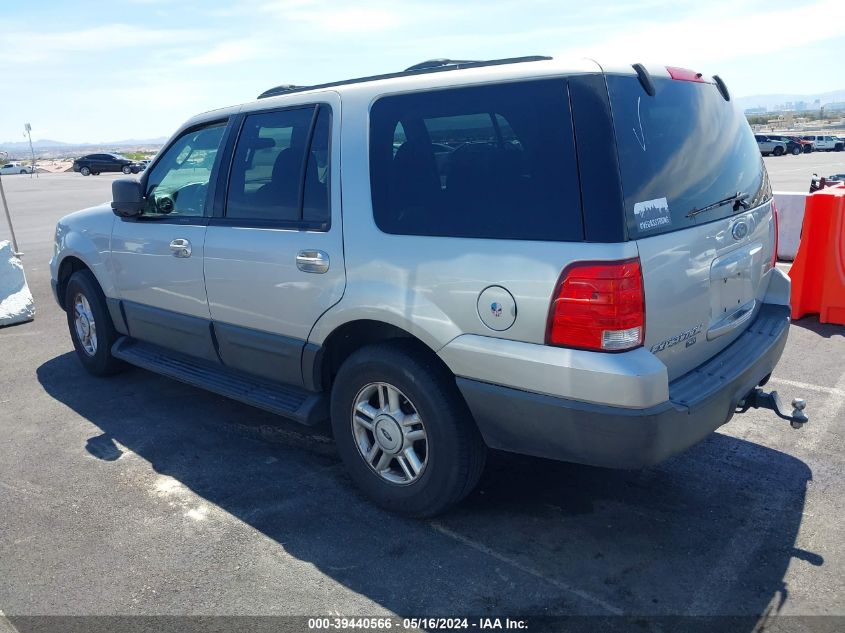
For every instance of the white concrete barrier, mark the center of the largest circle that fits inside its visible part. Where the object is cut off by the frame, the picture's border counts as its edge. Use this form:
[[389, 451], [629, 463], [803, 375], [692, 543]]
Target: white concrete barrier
[[790, 220], [16, 304]]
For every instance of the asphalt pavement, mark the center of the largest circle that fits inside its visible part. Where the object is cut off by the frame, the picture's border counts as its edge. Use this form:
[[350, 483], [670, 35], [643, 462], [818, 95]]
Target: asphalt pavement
[[137, 495], [793, 173]]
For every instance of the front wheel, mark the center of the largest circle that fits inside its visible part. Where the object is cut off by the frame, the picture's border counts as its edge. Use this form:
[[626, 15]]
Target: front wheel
[[403, 430], [796, 151], [90, 325], [85, 171], [778, 151]]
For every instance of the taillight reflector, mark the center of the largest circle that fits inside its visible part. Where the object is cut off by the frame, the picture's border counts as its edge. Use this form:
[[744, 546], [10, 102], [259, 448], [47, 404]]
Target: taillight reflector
[[598, 306], [685, 74]]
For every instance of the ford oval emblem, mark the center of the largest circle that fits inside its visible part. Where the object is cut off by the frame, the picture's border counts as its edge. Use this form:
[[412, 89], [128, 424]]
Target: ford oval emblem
[[739, 230]]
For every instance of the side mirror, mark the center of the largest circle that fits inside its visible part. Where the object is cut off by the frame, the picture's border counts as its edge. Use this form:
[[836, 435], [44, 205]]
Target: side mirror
[[127, 198]]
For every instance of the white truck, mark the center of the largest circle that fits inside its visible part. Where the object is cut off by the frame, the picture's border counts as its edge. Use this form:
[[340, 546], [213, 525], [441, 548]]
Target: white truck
[[825, 143]]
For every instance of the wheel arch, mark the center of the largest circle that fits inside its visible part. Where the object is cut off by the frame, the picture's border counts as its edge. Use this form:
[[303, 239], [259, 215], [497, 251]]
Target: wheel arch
[[69, 265], [320, 363]]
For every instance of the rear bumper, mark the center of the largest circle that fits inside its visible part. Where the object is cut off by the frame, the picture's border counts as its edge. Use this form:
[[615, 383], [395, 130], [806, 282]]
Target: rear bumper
[[616, 437]]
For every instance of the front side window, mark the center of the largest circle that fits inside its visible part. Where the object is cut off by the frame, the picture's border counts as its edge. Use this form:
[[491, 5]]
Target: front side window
[[495, 161], [280, 167], [178, 185]]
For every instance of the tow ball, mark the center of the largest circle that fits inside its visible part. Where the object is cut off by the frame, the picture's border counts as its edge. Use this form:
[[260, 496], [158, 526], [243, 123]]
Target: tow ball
[[759, 399]]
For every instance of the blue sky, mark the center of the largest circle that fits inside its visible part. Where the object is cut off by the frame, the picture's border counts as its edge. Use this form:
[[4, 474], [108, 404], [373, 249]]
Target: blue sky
[[102, 71]]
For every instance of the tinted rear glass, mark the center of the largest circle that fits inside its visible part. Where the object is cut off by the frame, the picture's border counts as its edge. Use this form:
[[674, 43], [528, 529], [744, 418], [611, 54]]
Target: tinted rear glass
[[495, 161], [683, 149]]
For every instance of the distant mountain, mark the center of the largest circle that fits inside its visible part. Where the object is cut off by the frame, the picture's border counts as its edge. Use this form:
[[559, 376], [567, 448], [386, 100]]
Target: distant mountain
[[776, 100], [22, 147]]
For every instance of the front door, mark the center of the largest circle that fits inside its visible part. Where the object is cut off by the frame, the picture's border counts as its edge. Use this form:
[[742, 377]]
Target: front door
[[157, 257], [274, 260]]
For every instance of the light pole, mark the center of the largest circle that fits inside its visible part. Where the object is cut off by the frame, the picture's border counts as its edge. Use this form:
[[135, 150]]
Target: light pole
[[28, 133], [4, 156]]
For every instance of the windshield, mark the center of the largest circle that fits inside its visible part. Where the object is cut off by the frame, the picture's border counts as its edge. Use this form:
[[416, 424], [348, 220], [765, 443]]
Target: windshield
[[681, 151]]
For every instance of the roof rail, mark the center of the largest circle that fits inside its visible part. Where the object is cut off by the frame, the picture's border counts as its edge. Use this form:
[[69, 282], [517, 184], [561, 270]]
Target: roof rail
[[439, 63], [430, 66]]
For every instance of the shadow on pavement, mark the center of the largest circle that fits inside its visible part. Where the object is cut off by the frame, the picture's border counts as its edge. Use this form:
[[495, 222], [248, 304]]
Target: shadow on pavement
[[826, 330], [709, 532]]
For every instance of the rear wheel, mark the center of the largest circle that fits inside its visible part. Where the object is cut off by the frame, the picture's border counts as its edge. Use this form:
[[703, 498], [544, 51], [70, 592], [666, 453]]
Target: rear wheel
[[126, 169], [778, 151], [403, 430], [23, 171], [90, 325], [85, 171], [796, 150]]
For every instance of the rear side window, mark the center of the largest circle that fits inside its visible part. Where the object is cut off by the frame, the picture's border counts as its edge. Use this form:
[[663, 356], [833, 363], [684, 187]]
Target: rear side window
[[681, 150], [495, 161], [280, 167]]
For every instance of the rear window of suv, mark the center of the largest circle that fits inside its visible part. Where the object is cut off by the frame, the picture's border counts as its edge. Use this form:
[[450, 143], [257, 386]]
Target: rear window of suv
[[681, 150], [493, 161]]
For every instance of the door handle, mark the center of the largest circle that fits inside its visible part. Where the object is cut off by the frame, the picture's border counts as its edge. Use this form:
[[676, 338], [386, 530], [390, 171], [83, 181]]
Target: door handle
[[181, 247], [312, 261]]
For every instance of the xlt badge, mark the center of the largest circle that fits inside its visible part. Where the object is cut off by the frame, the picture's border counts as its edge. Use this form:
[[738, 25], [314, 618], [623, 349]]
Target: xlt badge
[[686, 335]]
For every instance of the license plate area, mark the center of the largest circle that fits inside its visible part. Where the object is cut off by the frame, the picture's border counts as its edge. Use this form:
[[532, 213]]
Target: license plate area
[[732, 289]]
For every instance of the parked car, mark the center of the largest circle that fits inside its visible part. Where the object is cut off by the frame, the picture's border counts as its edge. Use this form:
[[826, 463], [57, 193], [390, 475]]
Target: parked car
[[794, 145], [768, 145], [825, 143], [608, 303], [143, 164], [836, 178], [98, 163], [15, 168]]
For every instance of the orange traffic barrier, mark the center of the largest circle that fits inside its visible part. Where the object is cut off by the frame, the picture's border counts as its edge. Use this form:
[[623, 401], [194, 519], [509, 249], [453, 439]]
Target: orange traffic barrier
[[818, 272]]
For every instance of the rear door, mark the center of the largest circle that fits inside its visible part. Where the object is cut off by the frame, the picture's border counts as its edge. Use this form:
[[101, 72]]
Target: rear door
[[705, 264], [274, 253]]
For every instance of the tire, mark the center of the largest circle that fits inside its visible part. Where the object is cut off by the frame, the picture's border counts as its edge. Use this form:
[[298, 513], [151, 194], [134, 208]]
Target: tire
[[84, 300], [778, 151], [450, 455], [126, 169], [23, 171], [796, 150], [85, 171]]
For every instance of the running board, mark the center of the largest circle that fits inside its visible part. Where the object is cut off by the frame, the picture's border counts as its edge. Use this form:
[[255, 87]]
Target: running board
[[295, 403]]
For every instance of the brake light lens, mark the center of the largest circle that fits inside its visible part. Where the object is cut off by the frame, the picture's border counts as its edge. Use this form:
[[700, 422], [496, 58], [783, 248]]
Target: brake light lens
[[685, 74], [598, 306], [775, 219]]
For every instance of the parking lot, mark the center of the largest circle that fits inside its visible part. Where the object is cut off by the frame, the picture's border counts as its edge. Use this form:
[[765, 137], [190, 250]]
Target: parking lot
[[136, 495], [792, 173]]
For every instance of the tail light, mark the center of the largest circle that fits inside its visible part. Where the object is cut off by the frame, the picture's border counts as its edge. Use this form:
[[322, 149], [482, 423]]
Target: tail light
[[598, 306], [775, 219]]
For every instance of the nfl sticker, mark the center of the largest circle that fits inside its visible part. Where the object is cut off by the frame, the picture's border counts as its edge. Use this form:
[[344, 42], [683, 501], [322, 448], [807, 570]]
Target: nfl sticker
[[652, 214]]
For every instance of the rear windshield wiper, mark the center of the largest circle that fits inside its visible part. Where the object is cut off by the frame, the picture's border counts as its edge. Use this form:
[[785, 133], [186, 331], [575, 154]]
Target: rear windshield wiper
[[739, 199]]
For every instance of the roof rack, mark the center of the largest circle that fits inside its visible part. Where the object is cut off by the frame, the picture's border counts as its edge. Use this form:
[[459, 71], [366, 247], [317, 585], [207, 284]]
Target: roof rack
[[439, 63], [429, 66]]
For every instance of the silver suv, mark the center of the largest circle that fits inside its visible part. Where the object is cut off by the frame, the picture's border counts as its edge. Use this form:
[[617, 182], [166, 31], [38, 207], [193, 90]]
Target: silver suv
[[769, 146], [560, 260]]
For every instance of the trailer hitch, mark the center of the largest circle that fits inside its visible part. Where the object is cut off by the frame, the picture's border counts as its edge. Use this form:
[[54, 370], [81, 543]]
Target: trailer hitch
[[759, 399]]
